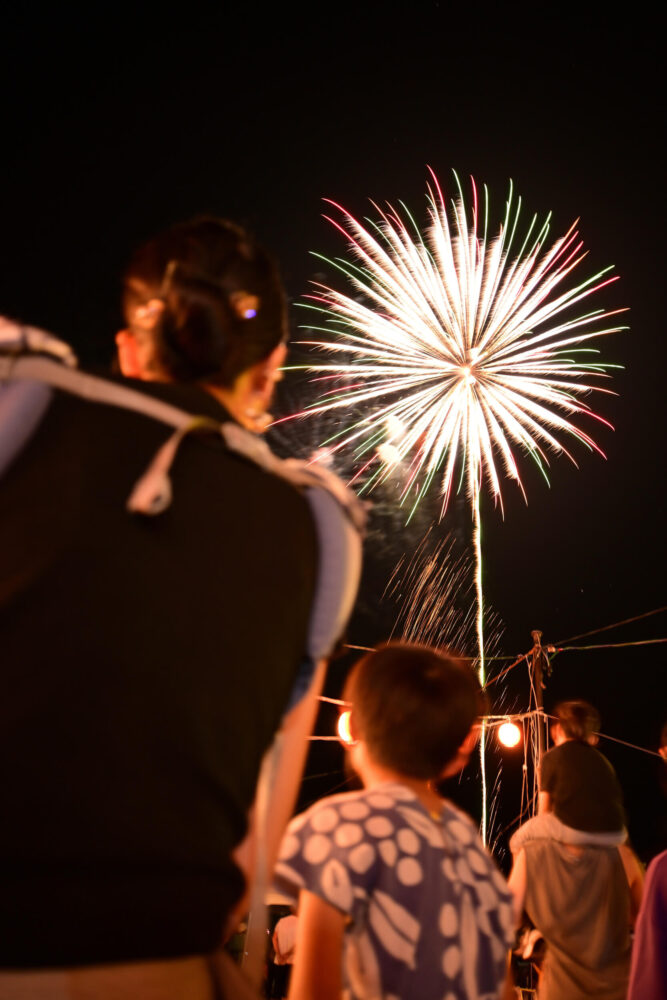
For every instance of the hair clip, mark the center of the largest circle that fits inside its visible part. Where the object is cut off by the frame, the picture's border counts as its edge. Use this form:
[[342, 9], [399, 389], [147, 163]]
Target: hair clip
[[167, 277], [244, 304]]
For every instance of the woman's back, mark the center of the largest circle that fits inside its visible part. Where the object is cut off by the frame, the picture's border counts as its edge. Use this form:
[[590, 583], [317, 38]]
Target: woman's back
[[146, 664]]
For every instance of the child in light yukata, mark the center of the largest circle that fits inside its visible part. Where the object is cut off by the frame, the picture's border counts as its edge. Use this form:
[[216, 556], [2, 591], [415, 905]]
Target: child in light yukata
[[398, 898], [580, 799]]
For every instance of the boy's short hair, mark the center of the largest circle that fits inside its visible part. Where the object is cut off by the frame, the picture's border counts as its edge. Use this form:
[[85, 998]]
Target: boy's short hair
[[413, 706], [577, 719]]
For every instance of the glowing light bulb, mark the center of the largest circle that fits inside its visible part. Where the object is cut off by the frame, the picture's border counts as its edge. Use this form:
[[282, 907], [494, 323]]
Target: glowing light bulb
[[509, 734], [344, 731]]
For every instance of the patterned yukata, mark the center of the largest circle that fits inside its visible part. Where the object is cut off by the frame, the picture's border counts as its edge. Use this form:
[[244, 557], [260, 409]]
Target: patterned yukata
[[430, 916]]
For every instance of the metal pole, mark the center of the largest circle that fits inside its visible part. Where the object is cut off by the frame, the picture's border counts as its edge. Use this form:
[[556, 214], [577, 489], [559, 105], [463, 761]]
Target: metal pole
[[538, 685]]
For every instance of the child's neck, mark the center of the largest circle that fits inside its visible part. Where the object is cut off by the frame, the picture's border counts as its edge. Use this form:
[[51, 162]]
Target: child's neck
[[372, 774]]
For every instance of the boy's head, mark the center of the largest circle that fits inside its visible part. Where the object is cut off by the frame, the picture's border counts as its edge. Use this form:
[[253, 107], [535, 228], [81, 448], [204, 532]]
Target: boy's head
[[413, 707], [576, 720]]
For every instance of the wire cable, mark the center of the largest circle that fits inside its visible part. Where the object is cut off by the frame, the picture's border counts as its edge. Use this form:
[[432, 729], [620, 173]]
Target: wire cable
[[611, 645], [605, 628]]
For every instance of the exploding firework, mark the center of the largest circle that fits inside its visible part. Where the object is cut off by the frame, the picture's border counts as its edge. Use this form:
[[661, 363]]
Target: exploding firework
[[457, 348]]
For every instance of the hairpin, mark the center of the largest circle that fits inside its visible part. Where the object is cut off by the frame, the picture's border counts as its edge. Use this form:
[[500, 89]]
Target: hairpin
[[244, 304]]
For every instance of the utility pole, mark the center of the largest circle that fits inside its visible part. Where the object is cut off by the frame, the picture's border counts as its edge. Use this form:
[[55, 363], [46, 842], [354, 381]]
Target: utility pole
[[539, 666], [537, 673]]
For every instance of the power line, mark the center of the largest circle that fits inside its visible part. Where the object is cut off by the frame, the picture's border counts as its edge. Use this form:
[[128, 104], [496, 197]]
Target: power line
[[569, 649], [605, 628], [561, 646], [611, 645], [633, 746], [372, 649], [492, 680]]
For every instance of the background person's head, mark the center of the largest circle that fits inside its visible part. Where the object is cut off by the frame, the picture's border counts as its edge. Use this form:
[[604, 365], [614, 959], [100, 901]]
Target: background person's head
[[414, 709], [204, 304], [575, 720]]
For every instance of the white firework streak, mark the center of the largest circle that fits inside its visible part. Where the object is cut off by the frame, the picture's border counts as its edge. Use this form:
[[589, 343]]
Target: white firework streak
[[462, 352]]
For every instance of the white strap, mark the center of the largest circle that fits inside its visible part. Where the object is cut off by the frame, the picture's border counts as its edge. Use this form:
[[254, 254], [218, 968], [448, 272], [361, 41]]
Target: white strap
[[237, 439], [90, 387]]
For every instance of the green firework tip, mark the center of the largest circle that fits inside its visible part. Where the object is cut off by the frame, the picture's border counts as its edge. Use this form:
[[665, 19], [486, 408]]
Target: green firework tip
[[517, 213], [537, 458], [410, 216]]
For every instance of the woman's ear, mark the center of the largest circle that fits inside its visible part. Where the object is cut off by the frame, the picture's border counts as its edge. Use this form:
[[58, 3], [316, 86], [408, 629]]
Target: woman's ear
[[128, 360]]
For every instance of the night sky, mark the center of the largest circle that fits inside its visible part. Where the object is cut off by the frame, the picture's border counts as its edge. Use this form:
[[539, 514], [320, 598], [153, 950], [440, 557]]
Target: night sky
[[115, 126]]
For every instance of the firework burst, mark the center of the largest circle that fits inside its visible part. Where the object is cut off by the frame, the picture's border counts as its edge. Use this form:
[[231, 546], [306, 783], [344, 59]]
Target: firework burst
[[458, 347]]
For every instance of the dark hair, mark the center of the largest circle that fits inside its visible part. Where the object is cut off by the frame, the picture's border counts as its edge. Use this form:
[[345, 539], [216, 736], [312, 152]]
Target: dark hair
[[413, 706], [577, 719], [201, 269]]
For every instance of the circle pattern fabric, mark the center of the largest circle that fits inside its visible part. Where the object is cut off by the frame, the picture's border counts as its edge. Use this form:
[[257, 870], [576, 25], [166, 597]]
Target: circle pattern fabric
[[429, 913]]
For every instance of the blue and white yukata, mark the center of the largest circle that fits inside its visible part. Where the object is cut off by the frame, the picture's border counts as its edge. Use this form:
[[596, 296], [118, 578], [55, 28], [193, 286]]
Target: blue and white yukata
[[430, 916]]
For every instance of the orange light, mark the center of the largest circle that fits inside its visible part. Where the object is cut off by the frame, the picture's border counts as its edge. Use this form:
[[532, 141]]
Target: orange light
[[509, 734], [344, 731]]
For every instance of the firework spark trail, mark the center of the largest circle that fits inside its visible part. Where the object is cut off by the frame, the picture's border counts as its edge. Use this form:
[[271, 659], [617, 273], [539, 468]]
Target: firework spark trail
[[435, 581], [431, 580], [432, 587], [462, 342]]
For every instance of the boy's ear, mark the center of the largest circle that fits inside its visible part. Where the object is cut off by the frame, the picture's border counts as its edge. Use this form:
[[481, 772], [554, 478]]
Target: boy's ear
[[593, 739], [463, 754], [470, 742], [354, 728]]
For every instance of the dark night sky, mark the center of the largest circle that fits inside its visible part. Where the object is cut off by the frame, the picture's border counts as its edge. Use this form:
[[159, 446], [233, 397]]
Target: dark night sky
[[114, 126]]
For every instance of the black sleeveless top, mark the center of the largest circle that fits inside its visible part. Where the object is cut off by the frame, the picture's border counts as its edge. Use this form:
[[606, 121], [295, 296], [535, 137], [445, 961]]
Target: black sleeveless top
[[145, 664]]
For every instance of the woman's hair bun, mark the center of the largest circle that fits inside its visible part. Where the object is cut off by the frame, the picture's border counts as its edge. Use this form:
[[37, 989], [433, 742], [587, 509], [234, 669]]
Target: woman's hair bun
[[225, 307]]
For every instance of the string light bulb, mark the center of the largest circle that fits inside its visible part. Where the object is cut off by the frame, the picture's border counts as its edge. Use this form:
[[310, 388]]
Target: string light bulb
[[344, 731], [509, 734]]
